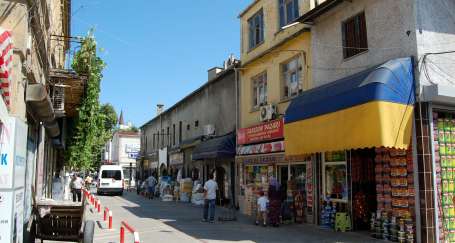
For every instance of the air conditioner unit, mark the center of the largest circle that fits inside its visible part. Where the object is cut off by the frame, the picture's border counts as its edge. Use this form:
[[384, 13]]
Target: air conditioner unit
[[209, 129], [267, 112]]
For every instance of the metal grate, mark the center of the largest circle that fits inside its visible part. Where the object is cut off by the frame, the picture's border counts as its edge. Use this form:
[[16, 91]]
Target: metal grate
[[58, 97]]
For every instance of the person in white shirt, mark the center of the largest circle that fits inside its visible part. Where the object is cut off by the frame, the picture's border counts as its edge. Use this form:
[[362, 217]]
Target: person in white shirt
[[210, 188], [261, 214], [151, 183], [76, 185]]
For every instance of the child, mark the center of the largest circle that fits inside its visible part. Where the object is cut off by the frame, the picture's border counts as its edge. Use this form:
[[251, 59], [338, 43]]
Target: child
[[262, 209]]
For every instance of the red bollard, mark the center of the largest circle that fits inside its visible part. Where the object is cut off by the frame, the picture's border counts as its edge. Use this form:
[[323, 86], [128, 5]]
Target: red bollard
[[136, 237], [99, 206], [105, 213], [110, 219], [96, 203], [122, 234]]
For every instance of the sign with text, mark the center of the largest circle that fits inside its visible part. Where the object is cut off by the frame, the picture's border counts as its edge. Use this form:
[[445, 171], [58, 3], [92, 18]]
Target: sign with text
[[262, 148], [263, 132], [176, 159]]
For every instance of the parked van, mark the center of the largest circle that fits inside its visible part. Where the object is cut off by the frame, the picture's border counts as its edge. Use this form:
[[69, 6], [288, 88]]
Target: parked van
[[111, 180]]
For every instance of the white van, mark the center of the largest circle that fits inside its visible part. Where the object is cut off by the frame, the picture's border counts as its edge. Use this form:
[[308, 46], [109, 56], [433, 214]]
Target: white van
[[110, 179]]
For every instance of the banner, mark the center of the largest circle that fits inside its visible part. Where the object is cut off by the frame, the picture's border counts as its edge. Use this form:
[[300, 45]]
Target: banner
[[263, 132], [262, 148]]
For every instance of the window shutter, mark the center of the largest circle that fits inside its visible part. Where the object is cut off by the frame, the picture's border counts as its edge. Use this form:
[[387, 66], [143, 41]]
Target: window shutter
[[261, 27], [363, 32], [251, 34], [296, 9], [282, 14]]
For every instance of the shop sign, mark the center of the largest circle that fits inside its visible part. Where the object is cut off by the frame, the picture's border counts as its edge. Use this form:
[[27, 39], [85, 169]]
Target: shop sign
[[309, 184], [162, 156], [6, 204], [263, 132], [153, 164], [132, 148], [176, 159], [262, 148], [261, 159]]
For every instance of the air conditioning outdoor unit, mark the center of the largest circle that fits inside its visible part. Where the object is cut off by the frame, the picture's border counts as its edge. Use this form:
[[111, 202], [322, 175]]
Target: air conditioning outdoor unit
[[267, 112], [209, 130]]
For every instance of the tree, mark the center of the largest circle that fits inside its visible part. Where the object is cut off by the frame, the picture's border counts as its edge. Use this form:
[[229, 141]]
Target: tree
[[109, 116], [90, 133]]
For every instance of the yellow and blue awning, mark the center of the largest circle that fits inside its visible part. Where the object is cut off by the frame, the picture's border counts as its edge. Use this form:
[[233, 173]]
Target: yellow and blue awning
[[373, 108]]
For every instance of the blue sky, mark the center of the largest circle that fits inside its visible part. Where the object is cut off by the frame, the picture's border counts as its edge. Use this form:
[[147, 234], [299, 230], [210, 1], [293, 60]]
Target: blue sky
[[157, 51]]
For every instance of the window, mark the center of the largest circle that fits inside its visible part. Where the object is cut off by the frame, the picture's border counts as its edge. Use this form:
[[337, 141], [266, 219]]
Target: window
[[111, 174], [168, 137], [162, 137], [289, 11], [260, 90], [196, 123], [291, 77], [180, 132], [173, 134], [188, 127], [256, 29], [354, 36]]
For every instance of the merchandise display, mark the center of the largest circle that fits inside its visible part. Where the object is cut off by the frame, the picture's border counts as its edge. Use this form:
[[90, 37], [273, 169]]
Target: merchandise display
[[394, 195], [444, 146]]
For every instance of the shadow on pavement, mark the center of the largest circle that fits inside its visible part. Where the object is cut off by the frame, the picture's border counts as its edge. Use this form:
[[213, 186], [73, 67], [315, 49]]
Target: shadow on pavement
[[186, 218]]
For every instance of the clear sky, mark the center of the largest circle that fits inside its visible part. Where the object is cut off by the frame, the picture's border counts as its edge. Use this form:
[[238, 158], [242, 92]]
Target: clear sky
[[157, 51]]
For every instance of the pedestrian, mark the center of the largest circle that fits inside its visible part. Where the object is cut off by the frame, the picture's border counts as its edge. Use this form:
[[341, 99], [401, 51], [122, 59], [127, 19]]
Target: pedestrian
[[88, 181], [261, 214], [151, 183], [275, 195], [210, 188], [76, 185]]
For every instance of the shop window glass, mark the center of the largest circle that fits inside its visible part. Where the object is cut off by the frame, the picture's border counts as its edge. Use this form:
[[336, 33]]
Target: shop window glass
[[335, 181], [256, 175]]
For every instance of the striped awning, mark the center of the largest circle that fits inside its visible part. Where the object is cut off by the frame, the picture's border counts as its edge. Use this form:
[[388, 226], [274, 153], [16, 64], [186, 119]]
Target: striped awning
[[6, 62]]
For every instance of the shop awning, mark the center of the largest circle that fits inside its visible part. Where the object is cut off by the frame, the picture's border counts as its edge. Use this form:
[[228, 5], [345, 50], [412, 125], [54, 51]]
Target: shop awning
[[40, 103], [370, 109], [219, 147]]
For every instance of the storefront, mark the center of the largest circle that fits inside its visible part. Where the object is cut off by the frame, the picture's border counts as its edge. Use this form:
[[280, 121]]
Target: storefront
[[175, 164], [442, 117], [217, 155], [359, 132]]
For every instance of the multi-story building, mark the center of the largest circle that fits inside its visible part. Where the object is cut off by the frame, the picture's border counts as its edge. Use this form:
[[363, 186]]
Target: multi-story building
[[123, 150], [382, 77], [275, 59], [40, 95], [195, 136]]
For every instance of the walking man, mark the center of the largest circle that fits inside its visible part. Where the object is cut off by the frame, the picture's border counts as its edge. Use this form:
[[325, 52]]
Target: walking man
[[210, 188], [151, 183], [76, 185]]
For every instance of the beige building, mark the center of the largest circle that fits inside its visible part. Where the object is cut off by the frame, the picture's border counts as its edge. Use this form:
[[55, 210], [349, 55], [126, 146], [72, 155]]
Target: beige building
[[40, 96]]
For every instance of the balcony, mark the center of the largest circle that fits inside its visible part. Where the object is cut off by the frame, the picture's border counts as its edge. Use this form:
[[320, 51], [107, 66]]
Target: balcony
[[66, 86]]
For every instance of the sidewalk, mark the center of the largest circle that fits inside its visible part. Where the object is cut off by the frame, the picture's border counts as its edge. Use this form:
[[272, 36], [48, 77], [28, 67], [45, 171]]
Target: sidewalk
[[158, 221]]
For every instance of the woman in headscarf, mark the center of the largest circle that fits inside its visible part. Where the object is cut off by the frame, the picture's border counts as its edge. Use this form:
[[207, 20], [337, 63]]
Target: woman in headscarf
[[274, 195]]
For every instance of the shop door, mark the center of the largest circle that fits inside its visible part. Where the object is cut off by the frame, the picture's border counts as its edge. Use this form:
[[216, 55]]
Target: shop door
[[220, 180]]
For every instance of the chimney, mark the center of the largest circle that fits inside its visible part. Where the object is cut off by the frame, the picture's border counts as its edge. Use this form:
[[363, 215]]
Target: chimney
[[159, 109], [213, 72]]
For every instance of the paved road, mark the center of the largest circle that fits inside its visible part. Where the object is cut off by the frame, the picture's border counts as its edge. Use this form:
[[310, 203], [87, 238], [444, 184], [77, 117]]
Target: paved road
[[170, 222]]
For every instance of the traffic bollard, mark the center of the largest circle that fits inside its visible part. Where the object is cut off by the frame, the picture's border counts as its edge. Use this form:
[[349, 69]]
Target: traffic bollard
[[122, 234], [110, 219], [99, 206]]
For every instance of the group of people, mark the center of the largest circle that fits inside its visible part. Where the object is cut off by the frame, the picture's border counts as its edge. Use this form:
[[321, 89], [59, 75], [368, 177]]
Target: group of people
[[269, 207], [76, 185]]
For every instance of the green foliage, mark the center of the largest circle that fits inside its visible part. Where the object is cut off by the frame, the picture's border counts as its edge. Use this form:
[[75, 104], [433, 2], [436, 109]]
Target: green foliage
[[109, 116], [90, 133]]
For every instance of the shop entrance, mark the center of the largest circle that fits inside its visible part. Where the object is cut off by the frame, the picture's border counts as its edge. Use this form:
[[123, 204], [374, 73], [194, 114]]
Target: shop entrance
[[220, 174], [363, 187]]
